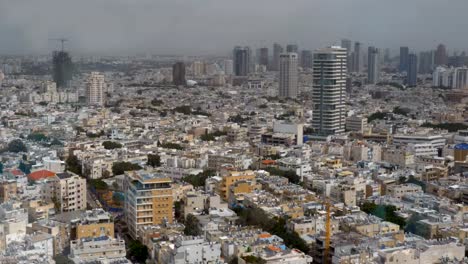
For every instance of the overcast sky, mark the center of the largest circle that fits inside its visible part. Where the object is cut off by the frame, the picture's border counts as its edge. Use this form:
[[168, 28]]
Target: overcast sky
[[203, 27]]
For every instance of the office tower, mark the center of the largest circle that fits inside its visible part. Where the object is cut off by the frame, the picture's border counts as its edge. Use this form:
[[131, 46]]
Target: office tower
[[440, 57], [228, 67], [404, 52], [62, 68], [263, 60], [306, 59], [277, 50], [346, 44], [241, 58], [387, 58], [178, 73], [292, 48], [288, 75], [148, 200], [412, 76], [372, 65], [198, 68], [329, 91], [357, 57], [426, 62], [95, 87], [461, 78]]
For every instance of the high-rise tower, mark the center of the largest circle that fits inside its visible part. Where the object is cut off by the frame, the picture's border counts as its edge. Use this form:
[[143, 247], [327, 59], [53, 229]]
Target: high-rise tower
[[372, 65], [288, 75], [241, 58], [404, 53], [329, 91], [62, 68], [95, 87], [277, 50]]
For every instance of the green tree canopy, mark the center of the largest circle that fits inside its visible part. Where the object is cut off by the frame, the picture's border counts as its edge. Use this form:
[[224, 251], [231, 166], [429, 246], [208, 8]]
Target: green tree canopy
[[192, 227], [137, 251], [17, 146], [119, 168], [111, 145], [154, 160]]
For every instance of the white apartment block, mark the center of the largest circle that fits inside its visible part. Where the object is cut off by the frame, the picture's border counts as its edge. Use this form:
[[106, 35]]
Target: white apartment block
[[87, 250], [68, 189], [95, 88], [288, 75], [187, 250]]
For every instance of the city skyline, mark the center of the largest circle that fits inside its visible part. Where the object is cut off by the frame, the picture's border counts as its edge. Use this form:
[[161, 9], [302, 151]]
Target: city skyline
[[177, 27]]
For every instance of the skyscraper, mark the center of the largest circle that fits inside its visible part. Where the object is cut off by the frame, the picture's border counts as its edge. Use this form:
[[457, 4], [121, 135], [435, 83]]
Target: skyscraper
[[404, 52], [373, 65], [346, 44], [292, 48], [241, 58], [62, 68], [178, 73], [228, 67], [263, 60], [306, 59], [426, 62], [441, 57], [387, 55], [95, 87], [288, 75], [329, 91], [357, 57], [277, 50], [412, 76]]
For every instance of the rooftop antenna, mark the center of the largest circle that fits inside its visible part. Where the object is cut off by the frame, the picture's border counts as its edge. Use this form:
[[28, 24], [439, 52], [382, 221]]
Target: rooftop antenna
[[62, 40]]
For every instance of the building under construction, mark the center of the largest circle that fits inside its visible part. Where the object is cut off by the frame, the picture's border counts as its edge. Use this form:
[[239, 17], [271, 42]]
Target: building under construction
[[62, 68]]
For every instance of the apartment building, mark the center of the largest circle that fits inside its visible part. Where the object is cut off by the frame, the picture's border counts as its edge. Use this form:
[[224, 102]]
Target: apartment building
[[228, 178], [88, 250], [149, 200], [67, 190]]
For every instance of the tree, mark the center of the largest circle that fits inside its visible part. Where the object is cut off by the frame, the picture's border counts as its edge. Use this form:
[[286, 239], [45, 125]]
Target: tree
[[169, 145], [73, 164], [38, 137], [1, 167], [111, 145], [25, 168], [199, 179], [192, 227], [16, 146], [154, 160], [119, 168], [291, 175], [99, 184], [137, 251]]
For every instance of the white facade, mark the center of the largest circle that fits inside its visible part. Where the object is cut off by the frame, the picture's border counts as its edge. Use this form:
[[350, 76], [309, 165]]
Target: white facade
[[95, 89], [187, 250], [83, 250], [288, 75], [455, 78], [228, 67]]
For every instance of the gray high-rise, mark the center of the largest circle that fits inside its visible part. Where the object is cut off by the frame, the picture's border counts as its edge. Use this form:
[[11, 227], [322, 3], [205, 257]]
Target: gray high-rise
[[357, 57], [241, 59], [404, 53], [306, 59], [178, 73], [412, 76], [329, 91], [373, 65], [263, 60], [346, 43], [292, 48], [288, 75], [277, 50]]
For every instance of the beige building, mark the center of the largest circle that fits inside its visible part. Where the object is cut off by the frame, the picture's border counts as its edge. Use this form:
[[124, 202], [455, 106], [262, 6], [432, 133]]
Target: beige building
[[8, 190], [228, 178], [95, 88], [149, 200], [93, 224], [67, 190], [83, 250], [356, 123], [398, 191]]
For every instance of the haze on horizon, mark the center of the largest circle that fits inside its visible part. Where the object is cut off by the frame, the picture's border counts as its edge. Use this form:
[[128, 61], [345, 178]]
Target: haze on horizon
[[201, 27]]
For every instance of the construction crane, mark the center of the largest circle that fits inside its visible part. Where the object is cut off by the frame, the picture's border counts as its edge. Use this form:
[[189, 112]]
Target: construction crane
[[327, 232], [62, 40]]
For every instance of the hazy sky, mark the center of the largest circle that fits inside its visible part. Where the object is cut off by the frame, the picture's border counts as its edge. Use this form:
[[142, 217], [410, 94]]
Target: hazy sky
[[214, 26]]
